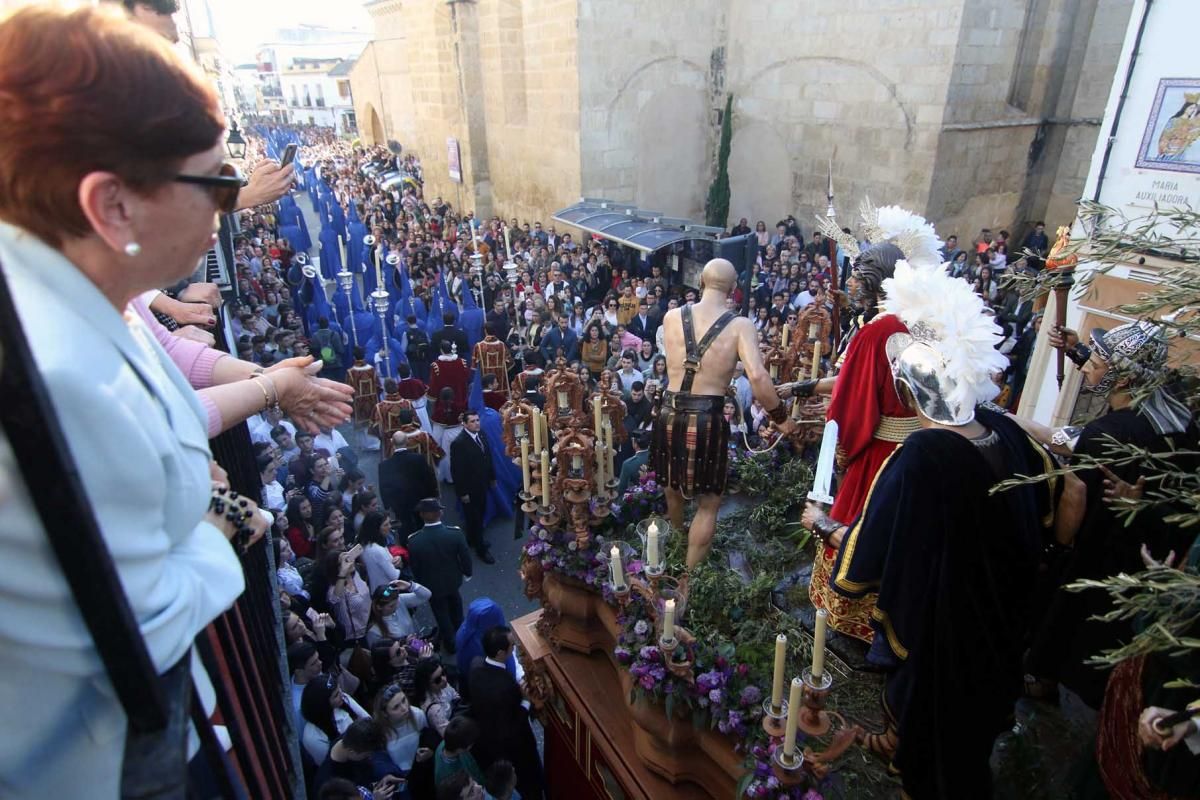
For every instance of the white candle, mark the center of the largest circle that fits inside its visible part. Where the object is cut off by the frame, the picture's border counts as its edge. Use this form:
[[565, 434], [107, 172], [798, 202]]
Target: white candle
[[564, 402], [652, 544], [793, 717], [669, 621], [610, 450], [618, 570], [785, 336], [507, 246], [537, 432], [816, 365], [818, 664], [777, 683], [596, 412], [525, 463], [774, 371], [546, 477], [599, 469]]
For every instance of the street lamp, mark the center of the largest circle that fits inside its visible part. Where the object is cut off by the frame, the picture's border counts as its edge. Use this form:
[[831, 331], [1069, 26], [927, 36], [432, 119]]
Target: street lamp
[[236, 143]]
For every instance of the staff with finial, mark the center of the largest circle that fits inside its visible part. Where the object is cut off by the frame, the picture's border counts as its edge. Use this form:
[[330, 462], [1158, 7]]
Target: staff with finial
[[835, 315], [1063, 263]]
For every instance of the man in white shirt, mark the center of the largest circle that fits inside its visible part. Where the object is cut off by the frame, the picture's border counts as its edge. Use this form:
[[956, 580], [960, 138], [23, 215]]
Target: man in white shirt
[[627, 374], [331, 441], [262, 424]]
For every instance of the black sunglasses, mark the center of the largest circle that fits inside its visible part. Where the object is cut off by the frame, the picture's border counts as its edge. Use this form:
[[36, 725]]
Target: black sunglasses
[[224, 186]]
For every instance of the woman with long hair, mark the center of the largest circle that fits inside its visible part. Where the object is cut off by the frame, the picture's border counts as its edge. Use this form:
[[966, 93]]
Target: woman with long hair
[[657, 374], [433, 694], [645, 355], [391, 610], [348, 596], [593, 349], [300, 532], [326, 712], [985, 285], [374, 535], [402, 724], [762, 236]]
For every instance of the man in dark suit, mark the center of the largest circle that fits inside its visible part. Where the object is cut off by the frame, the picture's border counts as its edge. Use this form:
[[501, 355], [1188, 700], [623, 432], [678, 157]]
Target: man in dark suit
[[632, 465], [440, 562], [404, 478], [457, 337], [473, 473], [497, 705], [498, 319], [643, 325], [561, 338]]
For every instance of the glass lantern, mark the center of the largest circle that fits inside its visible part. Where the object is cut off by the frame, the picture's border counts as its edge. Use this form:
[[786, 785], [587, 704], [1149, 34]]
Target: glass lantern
[[655, 533]]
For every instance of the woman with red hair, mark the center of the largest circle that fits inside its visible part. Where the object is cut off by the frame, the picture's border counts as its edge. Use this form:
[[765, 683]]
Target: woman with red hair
[[111, 180]]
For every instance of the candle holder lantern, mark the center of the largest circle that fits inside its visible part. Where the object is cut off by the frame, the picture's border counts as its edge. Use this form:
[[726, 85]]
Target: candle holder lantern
[[655, 533], [774, 720], [814, 719]]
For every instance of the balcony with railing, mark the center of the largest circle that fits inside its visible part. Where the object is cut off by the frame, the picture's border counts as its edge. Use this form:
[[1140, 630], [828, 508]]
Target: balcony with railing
[[249, 743]]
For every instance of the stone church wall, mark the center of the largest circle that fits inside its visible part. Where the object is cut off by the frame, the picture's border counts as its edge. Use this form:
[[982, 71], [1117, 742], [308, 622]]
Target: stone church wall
[[975, 112]]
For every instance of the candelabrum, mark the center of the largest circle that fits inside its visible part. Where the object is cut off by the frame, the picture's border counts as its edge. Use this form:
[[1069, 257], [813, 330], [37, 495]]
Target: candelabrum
[[380, 299], [665, 601], [346, 281]]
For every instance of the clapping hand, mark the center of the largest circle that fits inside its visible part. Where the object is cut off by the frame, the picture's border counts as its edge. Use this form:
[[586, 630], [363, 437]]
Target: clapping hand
[[309, 400], [207, 293]]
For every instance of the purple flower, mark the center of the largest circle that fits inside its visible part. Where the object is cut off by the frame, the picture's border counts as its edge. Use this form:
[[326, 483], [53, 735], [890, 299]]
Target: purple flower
[[813, 794], [772, 782], [623, 655], [743, 670], [641, 627], [647, 682], [751, 695], [649, 653], [715, 696]]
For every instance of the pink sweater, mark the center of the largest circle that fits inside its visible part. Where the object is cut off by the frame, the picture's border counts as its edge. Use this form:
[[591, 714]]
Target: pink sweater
[[194, 360]]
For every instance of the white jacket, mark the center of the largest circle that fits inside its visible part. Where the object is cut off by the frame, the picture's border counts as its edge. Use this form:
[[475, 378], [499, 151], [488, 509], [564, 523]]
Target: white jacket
[[137, 435]]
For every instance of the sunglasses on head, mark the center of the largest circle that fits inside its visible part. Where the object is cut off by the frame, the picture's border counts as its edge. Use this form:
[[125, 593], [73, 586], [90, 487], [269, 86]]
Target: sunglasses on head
[[224, 186]]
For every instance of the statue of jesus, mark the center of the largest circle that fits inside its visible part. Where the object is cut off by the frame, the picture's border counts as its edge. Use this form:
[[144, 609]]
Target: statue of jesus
[[690, 449]]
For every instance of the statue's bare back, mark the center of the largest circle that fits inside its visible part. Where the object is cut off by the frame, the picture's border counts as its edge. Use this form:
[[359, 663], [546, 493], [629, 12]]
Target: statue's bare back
[[717, 365]]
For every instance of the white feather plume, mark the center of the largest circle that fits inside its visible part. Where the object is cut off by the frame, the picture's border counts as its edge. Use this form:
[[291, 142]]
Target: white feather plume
[[947, 315], [911, 233]]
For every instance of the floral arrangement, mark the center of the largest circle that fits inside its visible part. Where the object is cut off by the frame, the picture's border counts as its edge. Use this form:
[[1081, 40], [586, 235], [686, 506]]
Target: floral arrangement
[[734, 626], [644, 499], [557, 551]]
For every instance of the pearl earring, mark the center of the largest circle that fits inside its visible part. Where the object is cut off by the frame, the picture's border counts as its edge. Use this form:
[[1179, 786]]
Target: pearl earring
[[132, 249]]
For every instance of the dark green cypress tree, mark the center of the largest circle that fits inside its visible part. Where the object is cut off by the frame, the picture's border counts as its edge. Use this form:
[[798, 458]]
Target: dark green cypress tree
[[717, 205]]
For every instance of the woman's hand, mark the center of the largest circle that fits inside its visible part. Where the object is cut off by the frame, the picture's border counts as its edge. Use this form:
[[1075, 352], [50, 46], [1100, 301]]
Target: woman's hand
[[310, 401], [207, 293], [192, 333], [191, 313], [257, 523]]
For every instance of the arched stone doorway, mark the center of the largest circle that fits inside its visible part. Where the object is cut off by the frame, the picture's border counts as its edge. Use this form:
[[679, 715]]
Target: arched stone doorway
[[374, 126]]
